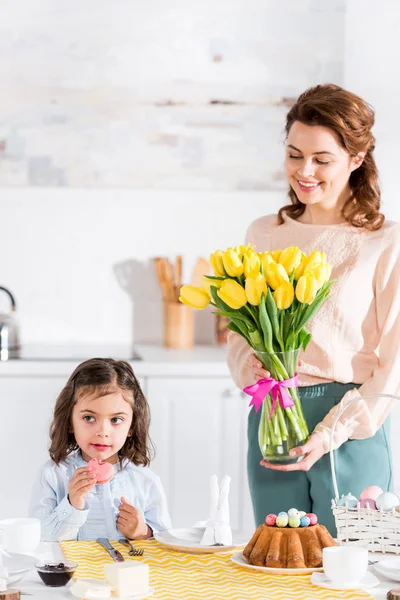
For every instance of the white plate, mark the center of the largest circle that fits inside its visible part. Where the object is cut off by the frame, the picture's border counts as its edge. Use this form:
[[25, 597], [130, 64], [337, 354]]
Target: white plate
[[188, 540], [17, 565], [240, 560], [389, 567], [321, 580], [149, 593]]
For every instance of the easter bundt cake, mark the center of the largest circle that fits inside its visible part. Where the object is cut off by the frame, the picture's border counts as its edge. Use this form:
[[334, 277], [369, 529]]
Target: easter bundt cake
[[291, 547]]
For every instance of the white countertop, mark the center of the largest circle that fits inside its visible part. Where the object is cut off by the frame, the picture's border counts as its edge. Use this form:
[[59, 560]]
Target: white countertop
[[51, 361]]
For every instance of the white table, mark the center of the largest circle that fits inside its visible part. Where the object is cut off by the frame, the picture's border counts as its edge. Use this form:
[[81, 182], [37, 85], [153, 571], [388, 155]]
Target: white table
[[33, 585]]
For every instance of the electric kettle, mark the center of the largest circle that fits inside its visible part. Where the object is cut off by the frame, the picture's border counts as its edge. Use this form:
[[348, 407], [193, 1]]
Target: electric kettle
[[9, 334]]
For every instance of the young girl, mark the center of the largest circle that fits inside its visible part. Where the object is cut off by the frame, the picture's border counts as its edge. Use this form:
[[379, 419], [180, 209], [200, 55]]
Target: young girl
[[101, 413]]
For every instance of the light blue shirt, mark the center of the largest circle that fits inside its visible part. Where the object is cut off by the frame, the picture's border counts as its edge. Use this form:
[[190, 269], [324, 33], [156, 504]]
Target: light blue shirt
[[61, 521]]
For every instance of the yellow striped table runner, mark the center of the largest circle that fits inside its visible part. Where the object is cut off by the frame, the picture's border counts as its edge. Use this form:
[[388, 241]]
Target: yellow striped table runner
[[181, 576]]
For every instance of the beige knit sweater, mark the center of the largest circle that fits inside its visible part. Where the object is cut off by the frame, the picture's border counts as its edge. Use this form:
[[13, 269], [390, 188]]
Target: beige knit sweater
[[356, 333]]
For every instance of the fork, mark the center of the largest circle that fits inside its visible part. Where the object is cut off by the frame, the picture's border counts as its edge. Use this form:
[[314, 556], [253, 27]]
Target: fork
[[132, 550]]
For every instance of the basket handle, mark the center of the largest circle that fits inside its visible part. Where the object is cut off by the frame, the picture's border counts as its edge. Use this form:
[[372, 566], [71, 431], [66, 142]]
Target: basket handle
[[335, 422]]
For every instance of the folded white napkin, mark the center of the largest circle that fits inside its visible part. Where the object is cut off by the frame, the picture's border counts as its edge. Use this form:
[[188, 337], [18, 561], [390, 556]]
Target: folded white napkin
[[217, 528]]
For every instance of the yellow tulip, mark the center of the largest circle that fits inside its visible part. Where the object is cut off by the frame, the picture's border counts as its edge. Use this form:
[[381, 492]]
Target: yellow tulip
[[290, 258], [266, 259], [300, 269], [242, 250], [321, 273], [232, 263], [194, 297], [275, 275], [306, 288], [232, 293], [276, 255], [255, 286], [284, 295], [217, 263], [207, 283], [251, 264], [316, 258]]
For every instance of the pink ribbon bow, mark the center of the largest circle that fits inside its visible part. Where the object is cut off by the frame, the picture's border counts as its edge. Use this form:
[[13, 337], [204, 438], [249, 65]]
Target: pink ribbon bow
[[259, 391]]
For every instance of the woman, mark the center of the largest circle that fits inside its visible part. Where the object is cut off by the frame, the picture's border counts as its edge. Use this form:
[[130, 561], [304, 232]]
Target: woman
[[335, 207]]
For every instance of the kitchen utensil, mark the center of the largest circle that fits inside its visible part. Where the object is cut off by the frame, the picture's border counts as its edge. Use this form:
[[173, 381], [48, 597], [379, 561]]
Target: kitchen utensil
[[132, 550], [115, 554], [165, 278], [201, 268], [9, 333]]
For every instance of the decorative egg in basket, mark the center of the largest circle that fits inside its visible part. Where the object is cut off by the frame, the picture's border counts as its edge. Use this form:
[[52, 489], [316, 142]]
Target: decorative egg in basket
[[387, 501], [368, 503], [371, 492], [349, 500]]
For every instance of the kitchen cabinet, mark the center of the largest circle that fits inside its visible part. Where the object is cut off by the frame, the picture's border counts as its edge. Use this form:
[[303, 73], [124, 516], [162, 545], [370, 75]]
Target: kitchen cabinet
[[198, 426], [199, 429]]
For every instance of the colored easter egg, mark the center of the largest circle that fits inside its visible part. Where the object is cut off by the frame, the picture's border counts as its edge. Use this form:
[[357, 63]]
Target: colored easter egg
[[293, 512], [372, 491], [294, 521], [313, 518], [282, 520], [282, 513], [349, 500], [387, 501], [368, 503], [302, 513], [270, 520], [304, 521]]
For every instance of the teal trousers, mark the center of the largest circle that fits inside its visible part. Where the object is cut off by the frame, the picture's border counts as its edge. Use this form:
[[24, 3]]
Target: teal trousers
[[359, 463]]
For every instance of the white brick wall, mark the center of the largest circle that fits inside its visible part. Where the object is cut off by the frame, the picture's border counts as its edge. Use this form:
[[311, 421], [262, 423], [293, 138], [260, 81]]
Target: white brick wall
[[179, 94]]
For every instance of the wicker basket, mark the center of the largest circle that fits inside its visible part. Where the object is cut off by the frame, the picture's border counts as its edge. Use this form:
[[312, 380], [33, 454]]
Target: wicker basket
[[377, 530]]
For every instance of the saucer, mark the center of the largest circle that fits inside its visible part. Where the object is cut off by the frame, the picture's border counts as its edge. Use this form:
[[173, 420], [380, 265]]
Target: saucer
[[321, 580], [389, 568]]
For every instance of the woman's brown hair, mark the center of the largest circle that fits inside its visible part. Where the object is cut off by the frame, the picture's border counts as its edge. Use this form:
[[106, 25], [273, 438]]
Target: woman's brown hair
[[351, 119], [102, 376]]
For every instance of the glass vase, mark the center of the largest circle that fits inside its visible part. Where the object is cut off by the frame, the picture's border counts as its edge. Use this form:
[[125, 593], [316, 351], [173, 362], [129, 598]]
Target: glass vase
[[281, 428]]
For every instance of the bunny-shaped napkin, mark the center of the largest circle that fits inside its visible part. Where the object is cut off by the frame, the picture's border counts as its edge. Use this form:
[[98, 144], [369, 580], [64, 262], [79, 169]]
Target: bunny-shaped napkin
[[218, 530]]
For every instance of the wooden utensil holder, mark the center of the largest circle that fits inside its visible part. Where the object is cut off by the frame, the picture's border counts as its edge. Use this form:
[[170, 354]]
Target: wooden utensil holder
[[178, 325]]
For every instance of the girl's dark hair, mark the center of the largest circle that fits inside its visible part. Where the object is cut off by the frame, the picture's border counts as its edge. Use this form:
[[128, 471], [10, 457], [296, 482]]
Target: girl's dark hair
[[102, 376], [351, 119]]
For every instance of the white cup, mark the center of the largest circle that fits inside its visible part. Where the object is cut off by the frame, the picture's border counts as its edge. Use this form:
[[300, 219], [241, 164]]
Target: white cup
[[345, 565], [21, 536]]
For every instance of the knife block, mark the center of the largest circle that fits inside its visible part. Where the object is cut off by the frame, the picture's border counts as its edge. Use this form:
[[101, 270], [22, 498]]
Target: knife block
[[178, 325]]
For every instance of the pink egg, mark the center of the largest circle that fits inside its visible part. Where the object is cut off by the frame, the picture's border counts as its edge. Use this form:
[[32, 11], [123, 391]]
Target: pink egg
[[368, 503], [373, 491], [270, 520], [313, 518]]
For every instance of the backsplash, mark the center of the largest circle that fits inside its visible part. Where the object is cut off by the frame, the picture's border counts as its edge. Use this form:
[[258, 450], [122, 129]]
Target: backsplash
[[172, 95]]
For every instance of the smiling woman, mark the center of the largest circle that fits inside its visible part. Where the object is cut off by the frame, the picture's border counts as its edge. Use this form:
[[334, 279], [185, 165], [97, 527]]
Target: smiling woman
[[354, 349]]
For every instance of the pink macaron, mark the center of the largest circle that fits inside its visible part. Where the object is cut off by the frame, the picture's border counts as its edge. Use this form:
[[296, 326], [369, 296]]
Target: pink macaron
[[104, 471]]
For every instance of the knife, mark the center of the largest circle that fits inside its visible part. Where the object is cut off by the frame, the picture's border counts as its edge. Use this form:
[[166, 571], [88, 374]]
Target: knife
[[115, 554]]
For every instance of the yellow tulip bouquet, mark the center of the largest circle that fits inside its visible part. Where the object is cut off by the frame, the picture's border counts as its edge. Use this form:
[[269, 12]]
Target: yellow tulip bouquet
[[269, 297]]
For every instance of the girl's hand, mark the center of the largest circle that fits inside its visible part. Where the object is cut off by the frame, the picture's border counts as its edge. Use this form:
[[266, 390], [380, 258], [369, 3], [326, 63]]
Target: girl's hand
[[313, 450], [131, 522], [81, 483]]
